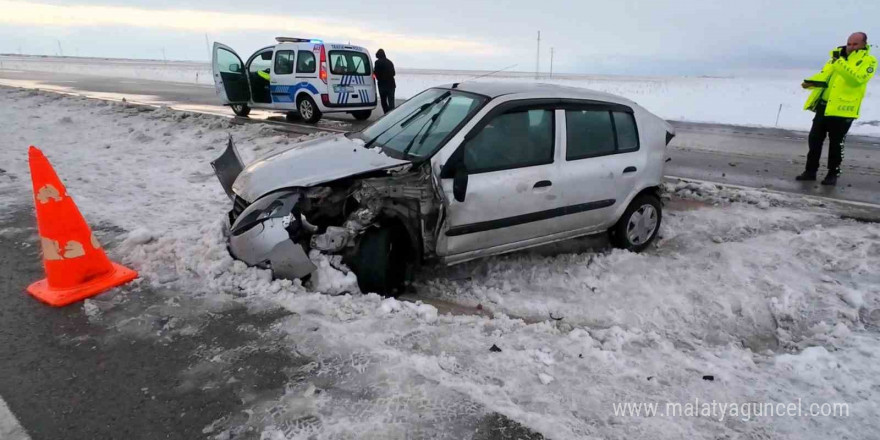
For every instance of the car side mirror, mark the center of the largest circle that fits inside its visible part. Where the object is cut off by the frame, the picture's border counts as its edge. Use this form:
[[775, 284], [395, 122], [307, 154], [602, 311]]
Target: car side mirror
[[460, 182], [235, 68]]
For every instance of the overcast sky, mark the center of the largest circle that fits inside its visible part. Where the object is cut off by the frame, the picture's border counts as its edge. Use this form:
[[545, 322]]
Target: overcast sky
[[690, 37]]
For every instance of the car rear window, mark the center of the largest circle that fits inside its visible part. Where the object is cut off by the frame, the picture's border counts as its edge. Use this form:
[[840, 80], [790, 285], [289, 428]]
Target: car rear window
[[348, 62], [591, 133]]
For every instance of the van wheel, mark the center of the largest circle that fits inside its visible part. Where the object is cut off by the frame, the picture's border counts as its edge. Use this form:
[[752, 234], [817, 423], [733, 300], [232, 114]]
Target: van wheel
[[639, 224], [362, 115], [380, 261], [292, 117], [241, 109], [307, 109]]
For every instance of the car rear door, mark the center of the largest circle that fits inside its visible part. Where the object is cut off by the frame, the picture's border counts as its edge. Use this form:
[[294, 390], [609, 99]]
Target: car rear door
[[230, 77], [601, 163]]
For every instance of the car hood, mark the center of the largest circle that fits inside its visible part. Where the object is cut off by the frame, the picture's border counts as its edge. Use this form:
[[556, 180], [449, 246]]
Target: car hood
[[310, 163]]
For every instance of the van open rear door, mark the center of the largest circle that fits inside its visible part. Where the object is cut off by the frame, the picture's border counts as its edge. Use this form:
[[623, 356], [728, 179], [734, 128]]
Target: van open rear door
[[230, 76]]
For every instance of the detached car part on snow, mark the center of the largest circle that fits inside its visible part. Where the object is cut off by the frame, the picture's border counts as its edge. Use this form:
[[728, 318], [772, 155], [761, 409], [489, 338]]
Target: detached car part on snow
[[455, 173]]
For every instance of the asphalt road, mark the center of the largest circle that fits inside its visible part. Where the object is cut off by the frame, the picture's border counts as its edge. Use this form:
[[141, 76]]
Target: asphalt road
[[753, 157], [66, 375]]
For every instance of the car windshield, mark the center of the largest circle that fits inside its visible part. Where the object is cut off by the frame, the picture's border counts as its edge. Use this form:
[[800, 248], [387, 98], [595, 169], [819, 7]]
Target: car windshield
[[416, 128]]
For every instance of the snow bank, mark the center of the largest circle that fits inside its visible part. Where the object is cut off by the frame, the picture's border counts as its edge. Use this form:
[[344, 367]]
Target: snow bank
[[772, 298]]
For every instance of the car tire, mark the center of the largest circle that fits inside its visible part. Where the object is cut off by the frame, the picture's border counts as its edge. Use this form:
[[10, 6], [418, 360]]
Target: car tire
[[241, 109], [362, 115], [292, 117], [307, 109], [380, 262], [639, 224]]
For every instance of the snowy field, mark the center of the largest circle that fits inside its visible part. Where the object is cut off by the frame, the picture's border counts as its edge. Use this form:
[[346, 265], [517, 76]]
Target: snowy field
[[749, 99], [775, 298]]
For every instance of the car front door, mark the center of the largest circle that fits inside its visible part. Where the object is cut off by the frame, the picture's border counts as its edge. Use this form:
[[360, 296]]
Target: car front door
[[230, 78], [511, 196]]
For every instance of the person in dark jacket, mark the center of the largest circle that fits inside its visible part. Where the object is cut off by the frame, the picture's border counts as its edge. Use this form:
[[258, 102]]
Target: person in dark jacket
[[384, 71]]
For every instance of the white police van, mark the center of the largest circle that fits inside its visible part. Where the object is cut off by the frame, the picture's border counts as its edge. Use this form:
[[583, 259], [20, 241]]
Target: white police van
[[306, 78]]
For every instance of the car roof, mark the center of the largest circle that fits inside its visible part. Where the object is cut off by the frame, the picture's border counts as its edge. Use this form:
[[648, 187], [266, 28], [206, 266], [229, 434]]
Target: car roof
[[494, 89]]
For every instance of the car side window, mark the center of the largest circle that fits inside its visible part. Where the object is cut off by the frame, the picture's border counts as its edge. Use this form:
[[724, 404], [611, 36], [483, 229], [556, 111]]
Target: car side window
[[516, 139], [284, 62], [627, 132], [306, 62], [588, 133], [597, 132]]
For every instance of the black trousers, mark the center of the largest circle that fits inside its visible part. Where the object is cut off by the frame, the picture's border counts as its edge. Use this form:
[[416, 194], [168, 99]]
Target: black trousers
[[835, 128], [386, 96]]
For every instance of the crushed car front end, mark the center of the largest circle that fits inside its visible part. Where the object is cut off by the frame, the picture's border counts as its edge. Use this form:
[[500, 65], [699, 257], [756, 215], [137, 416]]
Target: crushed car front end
[[280, 229]]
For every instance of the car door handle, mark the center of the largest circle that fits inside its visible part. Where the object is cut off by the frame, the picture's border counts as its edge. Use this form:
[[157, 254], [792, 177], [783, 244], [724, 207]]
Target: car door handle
[[542, 184], [629, 170]]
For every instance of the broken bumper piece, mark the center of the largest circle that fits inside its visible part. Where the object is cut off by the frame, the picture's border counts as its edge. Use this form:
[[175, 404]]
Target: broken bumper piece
[[264, 235]]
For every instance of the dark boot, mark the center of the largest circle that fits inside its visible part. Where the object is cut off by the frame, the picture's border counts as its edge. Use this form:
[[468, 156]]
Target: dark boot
[[830, 179], [806, 176]]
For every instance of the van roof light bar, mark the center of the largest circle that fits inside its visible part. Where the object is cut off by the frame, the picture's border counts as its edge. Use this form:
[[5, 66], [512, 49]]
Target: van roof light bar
[[297, 40]]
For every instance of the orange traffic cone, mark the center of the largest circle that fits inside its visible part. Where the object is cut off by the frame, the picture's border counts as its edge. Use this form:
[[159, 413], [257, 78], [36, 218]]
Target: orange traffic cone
[[76, 266]]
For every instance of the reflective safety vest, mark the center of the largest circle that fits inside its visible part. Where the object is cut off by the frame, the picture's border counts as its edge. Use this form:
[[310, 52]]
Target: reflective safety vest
[[846, 81]]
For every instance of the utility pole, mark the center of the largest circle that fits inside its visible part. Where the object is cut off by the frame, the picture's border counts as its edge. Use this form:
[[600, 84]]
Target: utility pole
[[60, 50], [208, 47], [551, 62], [538, 57]]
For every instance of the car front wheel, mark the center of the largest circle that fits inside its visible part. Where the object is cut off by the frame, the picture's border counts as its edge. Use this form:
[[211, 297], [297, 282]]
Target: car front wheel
[[639, 224], [380, 261]]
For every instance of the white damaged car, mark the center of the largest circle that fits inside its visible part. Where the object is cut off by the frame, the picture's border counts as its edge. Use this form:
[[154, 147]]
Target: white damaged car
[[457, 172]]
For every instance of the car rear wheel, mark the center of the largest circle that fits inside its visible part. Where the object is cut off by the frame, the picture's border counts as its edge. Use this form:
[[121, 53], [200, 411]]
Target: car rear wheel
[[307, 109], [241, 109], [639, 224], [362, 115], [380, 261]]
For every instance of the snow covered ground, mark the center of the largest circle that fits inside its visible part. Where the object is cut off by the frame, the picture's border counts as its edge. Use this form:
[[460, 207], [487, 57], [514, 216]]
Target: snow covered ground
[[774, 298], [742, 99]]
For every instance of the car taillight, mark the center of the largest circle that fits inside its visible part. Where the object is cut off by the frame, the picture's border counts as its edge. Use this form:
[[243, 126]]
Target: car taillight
[[323, 73], [325, 98]]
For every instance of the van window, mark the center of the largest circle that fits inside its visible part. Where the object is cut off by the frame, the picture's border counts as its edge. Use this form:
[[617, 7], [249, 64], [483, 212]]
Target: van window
[[347, 62], [263, 61], [306, 62], [284, 62]]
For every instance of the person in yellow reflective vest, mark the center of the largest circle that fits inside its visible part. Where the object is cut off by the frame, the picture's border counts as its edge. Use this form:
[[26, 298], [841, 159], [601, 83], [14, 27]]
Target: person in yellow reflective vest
[[836, 97], [264, 74]]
